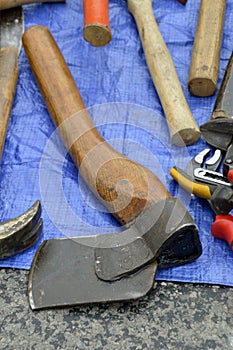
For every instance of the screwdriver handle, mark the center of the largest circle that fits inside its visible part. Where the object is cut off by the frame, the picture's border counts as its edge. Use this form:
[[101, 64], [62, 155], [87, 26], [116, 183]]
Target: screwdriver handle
[[122, 185], [223, 228]]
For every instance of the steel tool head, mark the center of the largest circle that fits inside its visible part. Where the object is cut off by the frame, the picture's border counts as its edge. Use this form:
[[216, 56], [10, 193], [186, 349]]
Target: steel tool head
[[20, 233], [11, 27], [218, 132], [116, 267]]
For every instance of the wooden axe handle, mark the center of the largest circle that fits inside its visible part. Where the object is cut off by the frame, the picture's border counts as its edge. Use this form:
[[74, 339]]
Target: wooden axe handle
[[182, 126], [8, 80], [203, 75], [7, 4], [96, 23], [124, 186]]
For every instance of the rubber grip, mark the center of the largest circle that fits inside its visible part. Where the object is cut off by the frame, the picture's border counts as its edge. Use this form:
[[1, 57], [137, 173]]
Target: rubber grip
[[223, 228], [96, 22]]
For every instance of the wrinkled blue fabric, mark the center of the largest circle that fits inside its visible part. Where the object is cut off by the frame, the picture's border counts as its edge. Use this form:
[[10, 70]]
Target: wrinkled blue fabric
[[116, 73]]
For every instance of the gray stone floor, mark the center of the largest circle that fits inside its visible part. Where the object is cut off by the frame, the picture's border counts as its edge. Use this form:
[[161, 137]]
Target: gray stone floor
[[173, 316]]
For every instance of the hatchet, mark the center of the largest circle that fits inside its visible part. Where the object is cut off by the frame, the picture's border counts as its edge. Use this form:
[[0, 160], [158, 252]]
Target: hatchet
[[159, 229]]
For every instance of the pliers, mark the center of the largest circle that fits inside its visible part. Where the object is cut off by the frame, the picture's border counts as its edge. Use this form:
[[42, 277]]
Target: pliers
[[207, 183]]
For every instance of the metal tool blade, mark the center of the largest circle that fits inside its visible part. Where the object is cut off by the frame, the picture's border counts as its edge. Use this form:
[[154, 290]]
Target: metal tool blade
[[64, 275], [11, 27], [218, 133]]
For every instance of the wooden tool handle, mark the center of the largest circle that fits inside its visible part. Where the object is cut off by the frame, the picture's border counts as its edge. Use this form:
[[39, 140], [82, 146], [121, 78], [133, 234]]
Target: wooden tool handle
[[124, 186], [203, 75], [7, 4], [8, 80], [182, 126], [96, 23]]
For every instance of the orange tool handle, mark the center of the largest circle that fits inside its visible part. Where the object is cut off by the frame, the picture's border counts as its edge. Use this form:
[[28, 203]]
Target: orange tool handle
[[96, 22], [223, 228]]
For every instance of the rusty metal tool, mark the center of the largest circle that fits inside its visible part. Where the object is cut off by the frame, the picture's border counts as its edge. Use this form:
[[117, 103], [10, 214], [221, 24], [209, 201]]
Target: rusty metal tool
[[203, 74], [7, 4], [182, 126], [202, 179], [159, 230], [20, 233], [218, 132]]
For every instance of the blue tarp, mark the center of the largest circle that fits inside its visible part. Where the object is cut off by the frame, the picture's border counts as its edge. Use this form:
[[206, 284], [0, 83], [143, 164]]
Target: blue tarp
[[116, 86]]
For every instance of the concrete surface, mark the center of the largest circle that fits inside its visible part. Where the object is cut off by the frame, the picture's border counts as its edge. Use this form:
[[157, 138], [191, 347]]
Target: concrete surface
[[172, 316]]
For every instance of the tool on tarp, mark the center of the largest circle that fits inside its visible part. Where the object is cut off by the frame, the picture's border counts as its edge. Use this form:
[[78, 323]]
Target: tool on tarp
[[203, 74], [182, 126], [96, 22], [218, 132], [159, 229], [7, 4], [207, 183], [97, 29], [20, 233]]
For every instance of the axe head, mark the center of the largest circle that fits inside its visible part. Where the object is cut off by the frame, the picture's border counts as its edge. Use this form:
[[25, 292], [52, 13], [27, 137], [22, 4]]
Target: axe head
[[113, 267]]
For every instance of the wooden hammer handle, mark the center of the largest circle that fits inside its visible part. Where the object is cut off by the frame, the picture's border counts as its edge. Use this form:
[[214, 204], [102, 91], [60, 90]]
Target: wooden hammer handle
[[203, 75], [124, 186], [96, 22], [7, 4], [182, 126], [8, 80]]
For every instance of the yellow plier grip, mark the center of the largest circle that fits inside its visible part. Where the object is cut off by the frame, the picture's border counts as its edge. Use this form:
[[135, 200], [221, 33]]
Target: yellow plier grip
[[188, 183]]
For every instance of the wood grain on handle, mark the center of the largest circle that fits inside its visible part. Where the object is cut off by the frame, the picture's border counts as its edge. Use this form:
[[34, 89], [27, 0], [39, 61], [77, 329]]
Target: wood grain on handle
[[8, 80], [124, 186], [182, 126], [203, 75], [7, 4], [96, 22]]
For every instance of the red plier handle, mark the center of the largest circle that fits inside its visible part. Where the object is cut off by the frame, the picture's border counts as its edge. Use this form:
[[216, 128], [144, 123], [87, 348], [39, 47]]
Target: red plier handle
[[223, 228]]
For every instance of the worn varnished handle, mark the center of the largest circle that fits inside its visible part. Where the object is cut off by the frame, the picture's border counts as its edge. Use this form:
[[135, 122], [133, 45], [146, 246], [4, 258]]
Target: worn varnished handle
[[7, 4], [96, 22], [8, 80], [124, 186], [203, 75], [182, 126]]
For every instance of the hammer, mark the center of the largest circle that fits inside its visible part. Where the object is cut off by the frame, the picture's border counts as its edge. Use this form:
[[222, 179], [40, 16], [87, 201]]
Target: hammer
[[182, 126], [20, 233]]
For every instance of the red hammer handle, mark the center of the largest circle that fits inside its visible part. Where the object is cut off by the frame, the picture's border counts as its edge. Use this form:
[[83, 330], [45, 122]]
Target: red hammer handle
[[223, 228], [96, 22]]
